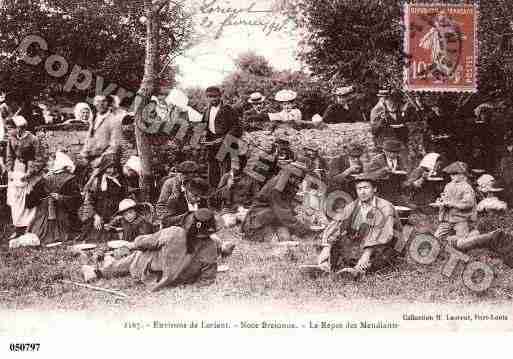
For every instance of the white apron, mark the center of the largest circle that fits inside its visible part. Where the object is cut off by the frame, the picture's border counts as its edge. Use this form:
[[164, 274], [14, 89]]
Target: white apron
[[17, 192]]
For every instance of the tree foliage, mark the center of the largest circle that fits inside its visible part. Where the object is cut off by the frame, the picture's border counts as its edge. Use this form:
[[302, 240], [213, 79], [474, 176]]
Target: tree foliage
[[362, 42], [106, 37]]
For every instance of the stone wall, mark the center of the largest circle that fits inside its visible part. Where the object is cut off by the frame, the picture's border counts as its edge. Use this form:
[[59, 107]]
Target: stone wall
[[331, 140]]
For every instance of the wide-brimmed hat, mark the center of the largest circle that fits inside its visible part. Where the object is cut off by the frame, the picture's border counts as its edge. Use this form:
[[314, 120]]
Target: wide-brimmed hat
[[256, 97], [177, 98], [285, 96], [127, 204], [19, 121], [344, 91], [392, 146], [187, 167], [457, 167], [487, 183], [213, 90], [373, 173]]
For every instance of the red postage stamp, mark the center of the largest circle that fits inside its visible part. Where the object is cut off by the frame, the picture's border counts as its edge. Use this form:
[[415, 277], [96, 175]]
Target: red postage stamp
[[441, 42]]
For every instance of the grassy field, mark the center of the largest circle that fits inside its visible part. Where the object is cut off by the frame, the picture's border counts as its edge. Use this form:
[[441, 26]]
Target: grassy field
[[258, 273]]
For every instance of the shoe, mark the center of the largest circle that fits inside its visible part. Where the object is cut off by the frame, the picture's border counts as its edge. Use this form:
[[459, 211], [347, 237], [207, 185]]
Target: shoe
[[227, 249]]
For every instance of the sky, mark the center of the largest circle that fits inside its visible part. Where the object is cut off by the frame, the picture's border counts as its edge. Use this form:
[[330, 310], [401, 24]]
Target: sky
[[208, 62]]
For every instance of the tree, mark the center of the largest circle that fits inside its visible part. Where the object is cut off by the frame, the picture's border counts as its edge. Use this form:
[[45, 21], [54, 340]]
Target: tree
[[105, 37], [361, 41]]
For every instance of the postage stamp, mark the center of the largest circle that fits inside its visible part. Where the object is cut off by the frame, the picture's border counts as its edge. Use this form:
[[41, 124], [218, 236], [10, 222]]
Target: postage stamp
[[441, 43]]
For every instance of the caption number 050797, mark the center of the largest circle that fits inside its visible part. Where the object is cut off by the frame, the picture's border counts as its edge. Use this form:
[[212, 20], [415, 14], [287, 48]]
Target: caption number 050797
[[24, 347]]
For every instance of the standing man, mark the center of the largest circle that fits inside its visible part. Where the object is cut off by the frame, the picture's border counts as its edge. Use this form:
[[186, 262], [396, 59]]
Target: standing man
[[386, 121], [343, 110], [221, 119], [103, 137]]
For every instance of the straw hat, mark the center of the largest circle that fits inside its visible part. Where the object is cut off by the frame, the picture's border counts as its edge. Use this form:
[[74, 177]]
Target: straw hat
[[344, 91], [456, 168], [177, 98], [285, 96], [125, 205], [256, 97]]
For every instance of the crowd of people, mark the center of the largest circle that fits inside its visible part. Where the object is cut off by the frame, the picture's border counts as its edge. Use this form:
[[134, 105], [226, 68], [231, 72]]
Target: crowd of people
[[173, 240]]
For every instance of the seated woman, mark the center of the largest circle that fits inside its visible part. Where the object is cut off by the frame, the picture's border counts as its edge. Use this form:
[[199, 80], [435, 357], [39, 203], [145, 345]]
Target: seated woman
[[132, 171], [274, 207], [132, 220], [102, 196], [57, 198], [423, 185], [290, 116], [173, 256]]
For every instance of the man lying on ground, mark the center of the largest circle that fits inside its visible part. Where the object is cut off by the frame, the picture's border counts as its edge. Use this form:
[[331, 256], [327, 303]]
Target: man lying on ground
[[171, 257]]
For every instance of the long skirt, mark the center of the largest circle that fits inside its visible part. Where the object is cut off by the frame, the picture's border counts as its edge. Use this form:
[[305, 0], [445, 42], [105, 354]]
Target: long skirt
[[16, 195], [51, 228]]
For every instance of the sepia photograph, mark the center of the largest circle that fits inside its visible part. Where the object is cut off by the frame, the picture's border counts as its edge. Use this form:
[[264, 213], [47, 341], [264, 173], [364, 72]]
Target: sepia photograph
[[240, 167]]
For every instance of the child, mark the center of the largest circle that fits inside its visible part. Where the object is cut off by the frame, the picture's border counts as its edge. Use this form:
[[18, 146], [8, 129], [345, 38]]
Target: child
[[131, 219], [457, 203]]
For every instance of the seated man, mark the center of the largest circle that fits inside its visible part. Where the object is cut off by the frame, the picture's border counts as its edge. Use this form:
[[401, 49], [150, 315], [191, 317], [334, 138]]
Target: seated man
[[361, 238], [274, 208], [423, 182], [173, 188], [193, 196], [168, 258], [237, 188], [392, 165], [342, 167]]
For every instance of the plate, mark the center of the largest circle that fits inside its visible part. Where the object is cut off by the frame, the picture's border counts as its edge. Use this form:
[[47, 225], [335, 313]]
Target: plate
[[402, 208], [478, 170], [84, 246], [435, 179], [51, 245], [117, 244], [222, 268], [435, 204], [397, 126], [399, 172], [317, 228]]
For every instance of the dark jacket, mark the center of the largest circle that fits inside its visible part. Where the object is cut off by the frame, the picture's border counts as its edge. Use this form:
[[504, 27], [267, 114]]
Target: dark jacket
[[337, 113], [226, 121]]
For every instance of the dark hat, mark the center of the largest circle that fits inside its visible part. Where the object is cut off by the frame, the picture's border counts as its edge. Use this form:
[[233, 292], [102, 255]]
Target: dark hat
[[187, 167], [204, 215], [282, 141], [372, 173], [310, 148], [392, 146], [214, 90], [456, 168]]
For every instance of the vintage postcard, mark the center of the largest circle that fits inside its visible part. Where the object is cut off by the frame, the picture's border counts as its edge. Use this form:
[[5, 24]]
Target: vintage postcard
[[231, 168], [442, 44]]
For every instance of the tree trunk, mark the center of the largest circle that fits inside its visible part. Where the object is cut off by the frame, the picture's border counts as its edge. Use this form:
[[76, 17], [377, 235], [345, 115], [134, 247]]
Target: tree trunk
[[151, 64]]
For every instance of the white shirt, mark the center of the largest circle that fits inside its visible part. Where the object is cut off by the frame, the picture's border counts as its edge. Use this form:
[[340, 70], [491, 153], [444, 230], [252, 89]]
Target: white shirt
[[213, 113], [392, 164]]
